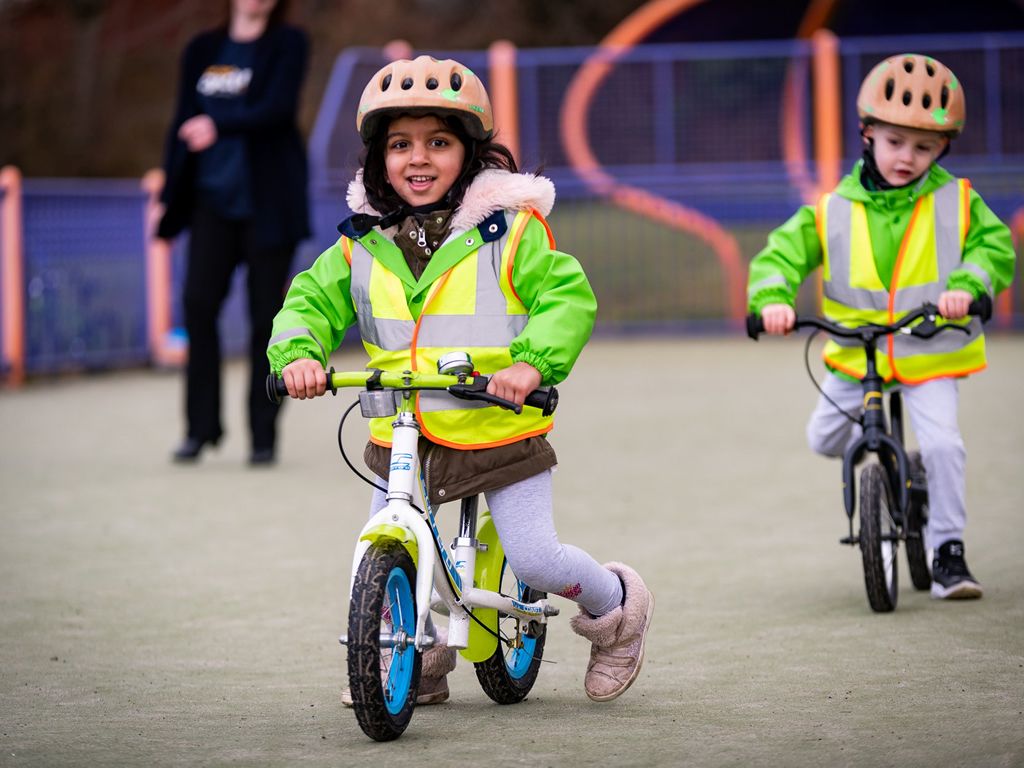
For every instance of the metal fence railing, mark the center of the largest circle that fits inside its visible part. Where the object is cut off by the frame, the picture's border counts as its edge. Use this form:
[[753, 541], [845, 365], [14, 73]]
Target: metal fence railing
[[672, 163]]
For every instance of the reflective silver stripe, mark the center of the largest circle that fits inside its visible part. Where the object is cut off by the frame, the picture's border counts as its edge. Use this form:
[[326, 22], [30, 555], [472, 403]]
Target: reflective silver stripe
[[768, 282], [479, 330], [293, 333], [947, 341], [392, 335], [862, 298], [947, 229], [432, 401], [979, 273], [913, 296]]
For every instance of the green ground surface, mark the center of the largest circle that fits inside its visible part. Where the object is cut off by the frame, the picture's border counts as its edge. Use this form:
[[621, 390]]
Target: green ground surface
[[157, 615]]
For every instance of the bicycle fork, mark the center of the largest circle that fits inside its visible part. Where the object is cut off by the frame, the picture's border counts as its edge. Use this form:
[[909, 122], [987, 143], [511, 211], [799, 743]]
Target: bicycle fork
[[876, 440]]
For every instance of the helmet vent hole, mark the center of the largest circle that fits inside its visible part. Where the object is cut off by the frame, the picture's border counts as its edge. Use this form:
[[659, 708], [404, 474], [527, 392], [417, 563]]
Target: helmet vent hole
[[930, 69], [944, 97], [890, 86], [407, 84], [456, 81], [386, 82], [926, 100], [908, 65], [907, 98], [432, 84]]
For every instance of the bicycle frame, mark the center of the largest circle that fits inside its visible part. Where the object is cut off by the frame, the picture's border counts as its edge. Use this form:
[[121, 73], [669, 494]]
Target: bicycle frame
[[454, 579], [877, 439]]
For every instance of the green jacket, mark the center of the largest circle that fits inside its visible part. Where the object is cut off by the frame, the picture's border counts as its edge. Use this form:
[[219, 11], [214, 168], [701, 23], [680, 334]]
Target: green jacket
[[794, 249], [318, 308]]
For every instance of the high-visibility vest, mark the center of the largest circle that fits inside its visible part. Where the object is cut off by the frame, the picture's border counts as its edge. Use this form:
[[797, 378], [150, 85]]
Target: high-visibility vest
[[473, 308], [854, 294]]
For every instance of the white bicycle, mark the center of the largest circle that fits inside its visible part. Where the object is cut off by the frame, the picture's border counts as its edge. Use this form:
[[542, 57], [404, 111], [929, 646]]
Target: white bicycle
[[494, 620]]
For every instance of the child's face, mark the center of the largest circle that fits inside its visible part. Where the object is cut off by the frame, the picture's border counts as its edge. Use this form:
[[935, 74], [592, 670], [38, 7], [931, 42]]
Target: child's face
[[904, 154], [422, 158]]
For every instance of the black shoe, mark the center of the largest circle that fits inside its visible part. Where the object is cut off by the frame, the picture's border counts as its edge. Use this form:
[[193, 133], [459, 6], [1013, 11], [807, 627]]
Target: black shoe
[[262, 457], [950, 578], [190, 449]]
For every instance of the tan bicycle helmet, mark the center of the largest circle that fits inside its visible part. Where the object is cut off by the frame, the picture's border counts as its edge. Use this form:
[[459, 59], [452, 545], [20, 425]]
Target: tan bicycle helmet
[[913, 91], [422, 86]]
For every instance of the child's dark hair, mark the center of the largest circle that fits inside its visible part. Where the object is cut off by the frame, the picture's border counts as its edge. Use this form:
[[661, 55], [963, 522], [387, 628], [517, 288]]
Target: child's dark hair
[[480, 155]]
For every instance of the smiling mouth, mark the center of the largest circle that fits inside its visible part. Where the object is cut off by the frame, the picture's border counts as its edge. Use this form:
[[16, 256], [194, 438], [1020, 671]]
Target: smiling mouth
[[421, 179]]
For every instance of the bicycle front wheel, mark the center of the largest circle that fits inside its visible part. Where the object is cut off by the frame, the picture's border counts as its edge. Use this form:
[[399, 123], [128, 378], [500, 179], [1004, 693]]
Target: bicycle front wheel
[[509, 674], [383, 680], [878, 539], [917, 518]]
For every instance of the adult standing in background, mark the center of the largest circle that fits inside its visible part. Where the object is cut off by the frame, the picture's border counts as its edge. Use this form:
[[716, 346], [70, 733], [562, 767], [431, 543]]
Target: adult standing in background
[[236, 177]]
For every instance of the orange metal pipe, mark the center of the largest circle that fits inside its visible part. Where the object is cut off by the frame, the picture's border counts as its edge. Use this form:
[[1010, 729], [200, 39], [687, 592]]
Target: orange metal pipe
[[12, 264], [828, 141], [505, 94], [576, 142], [794, 105], [1004, 301], [159, 287]]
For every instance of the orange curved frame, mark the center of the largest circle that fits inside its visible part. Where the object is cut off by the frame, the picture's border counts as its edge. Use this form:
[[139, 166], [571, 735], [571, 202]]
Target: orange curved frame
[[576, 142]]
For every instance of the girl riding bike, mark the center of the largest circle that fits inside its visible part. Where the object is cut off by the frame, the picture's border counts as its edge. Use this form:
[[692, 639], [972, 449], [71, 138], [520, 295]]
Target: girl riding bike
[[449, 250], [896, 232]]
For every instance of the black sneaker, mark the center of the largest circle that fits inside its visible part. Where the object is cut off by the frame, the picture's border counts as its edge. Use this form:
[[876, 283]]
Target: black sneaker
[[950, 578]]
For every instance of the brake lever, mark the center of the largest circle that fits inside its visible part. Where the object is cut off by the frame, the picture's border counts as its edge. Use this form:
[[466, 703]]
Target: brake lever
[[478, 391], [928, 327]]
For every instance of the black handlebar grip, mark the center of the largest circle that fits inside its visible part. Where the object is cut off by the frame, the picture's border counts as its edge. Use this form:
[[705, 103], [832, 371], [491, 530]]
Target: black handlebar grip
[[755, 326], [545, 399], [982, 307], [276, 388]]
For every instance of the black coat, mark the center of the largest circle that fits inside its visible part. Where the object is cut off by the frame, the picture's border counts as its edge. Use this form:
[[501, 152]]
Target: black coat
[[277, 158]]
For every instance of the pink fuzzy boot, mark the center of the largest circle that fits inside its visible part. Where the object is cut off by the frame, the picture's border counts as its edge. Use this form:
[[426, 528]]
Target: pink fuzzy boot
[[438, 661], [617, 637]]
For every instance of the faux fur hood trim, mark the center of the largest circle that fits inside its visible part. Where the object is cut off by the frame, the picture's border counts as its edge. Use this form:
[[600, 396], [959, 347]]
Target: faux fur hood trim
[[492, 190]]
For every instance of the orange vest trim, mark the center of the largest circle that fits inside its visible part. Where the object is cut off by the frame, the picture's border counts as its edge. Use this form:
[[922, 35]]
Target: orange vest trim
[[346, 250], [950, 375]]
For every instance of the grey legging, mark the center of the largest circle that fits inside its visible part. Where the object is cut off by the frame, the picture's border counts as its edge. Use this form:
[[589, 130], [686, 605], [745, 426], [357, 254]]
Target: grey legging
[[522, 515]]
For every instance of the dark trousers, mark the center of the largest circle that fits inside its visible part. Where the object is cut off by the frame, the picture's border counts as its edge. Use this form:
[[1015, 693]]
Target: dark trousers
[[216, 247]]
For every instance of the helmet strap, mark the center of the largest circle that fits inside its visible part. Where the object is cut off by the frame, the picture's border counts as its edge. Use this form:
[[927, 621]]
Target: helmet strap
[[871, 178]]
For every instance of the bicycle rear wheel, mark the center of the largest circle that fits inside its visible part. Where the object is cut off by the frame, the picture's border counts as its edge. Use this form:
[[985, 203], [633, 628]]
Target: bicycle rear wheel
[[878, 539], [383, 681], [917, 518], [509, 674]]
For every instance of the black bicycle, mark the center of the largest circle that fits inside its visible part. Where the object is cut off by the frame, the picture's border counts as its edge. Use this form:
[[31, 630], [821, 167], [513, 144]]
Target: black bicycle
[[893, 490]]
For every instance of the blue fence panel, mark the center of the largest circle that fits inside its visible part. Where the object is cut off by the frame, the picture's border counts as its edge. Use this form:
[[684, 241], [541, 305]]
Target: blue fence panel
[[84, 274]]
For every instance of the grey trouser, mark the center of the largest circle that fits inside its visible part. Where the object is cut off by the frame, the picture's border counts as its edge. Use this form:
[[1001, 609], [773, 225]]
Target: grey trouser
[[932, 411]]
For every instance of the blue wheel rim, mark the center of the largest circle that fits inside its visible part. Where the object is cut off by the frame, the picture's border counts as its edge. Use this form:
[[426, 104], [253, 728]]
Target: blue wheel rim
[[399, 677], [518, 661]]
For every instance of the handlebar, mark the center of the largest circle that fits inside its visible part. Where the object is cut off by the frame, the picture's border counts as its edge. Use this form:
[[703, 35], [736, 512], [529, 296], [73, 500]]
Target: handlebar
[[927, 313], [465, 388]]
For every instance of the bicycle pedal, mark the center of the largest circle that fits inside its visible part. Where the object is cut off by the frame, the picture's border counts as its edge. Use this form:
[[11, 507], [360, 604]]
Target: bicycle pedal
[[850, 540]]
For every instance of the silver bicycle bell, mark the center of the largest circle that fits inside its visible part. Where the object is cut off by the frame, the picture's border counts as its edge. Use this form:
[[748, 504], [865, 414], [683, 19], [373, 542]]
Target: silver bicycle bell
[[455, 364]]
